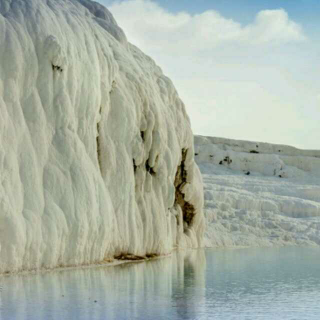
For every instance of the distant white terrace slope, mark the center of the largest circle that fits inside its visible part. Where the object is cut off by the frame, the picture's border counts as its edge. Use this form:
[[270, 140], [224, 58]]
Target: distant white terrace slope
[[96, 149], [259, 194]]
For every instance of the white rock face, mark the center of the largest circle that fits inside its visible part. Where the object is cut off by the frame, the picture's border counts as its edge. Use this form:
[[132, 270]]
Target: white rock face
[[259, 194], [96, 156]]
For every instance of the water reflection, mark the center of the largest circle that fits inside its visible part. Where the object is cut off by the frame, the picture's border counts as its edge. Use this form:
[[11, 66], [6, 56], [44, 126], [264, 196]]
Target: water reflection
[[188, 294], [147, 290], [264, 283], [200, 284]]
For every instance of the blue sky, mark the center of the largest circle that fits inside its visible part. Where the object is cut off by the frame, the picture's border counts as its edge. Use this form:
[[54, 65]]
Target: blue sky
[[239, 8], [245, 69]]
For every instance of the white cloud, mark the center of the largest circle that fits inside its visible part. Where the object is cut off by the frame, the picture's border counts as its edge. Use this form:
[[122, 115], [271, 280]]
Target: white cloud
[[201, 31], [273, 26], [254, 82]]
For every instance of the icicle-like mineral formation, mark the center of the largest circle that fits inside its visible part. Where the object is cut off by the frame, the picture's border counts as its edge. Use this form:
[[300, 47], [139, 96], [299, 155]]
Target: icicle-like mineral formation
[[96, 149]]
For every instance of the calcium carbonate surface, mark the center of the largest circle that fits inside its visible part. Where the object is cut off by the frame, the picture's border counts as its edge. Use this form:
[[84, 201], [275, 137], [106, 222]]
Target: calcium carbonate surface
[[96, 149], [259, 194]]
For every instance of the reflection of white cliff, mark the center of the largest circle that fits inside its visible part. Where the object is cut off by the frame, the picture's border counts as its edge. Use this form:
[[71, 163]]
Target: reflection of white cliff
[[148, 290], [96, 156], [189, 290], [258, 193]]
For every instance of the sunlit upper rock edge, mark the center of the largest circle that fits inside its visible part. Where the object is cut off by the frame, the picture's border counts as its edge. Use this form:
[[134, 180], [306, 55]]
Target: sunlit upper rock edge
[[96, 157]]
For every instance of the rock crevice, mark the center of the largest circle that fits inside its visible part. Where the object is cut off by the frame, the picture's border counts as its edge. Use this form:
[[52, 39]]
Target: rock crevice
[[188, 210]]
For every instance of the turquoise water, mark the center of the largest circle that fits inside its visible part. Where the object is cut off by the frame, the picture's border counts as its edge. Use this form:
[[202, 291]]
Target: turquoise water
[[272, 283]]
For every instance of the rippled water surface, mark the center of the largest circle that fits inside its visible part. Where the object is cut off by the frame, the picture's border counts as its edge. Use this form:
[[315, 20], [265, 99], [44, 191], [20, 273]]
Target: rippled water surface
[[274, 283]]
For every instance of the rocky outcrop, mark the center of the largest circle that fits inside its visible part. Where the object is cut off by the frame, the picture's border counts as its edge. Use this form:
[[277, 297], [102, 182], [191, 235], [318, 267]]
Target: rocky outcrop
[[259, 194]]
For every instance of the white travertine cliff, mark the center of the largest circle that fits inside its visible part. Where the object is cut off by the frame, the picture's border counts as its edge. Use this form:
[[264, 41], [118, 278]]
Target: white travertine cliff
[[96, 149]]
